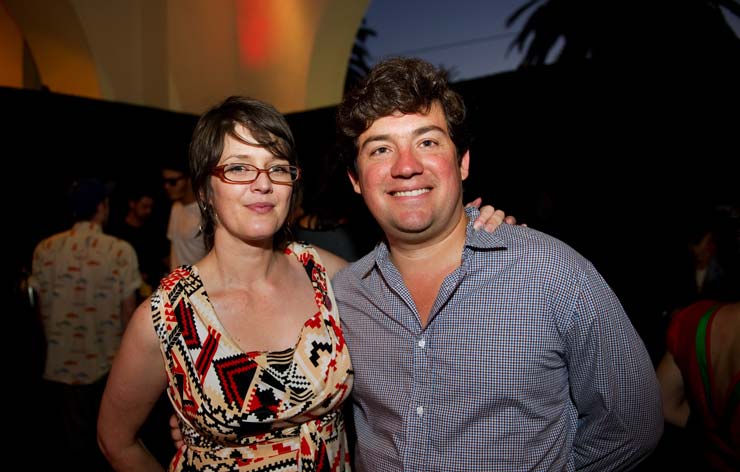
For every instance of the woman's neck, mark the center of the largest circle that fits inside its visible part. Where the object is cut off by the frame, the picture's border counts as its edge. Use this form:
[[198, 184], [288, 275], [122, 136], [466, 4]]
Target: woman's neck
[[239, 264]]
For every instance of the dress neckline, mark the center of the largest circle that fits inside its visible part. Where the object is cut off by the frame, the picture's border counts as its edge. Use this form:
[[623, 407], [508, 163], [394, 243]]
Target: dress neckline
[[195, 273]]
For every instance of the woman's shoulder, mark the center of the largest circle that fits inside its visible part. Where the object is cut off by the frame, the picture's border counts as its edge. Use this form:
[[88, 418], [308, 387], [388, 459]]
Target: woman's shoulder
[[330, 261]]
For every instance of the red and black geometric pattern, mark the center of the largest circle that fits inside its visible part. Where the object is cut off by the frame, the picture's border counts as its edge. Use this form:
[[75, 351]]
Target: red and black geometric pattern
[[234, 372], [248, 411]]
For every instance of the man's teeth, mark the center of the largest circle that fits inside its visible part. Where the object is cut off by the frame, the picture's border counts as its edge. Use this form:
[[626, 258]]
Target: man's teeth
[[411, 193]]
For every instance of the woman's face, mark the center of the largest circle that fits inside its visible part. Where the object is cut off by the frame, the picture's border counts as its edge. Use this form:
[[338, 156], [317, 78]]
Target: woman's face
[[251, 212]]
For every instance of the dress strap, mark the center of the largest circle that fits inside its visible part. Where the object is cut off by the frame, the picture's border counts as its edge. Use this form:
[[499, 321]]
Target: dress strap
[[702, 357]]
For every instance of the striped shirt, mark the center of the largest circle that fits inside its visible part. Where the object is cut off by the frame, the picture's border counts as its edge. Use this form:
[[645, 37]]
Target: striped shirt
[[527, 362]]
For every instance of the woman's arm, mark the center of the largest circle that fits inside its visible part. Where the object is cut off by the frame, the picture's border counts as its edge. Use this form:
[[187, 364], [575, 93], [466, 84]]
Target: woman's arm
[[490, 218], [675, 405], [136, 381]]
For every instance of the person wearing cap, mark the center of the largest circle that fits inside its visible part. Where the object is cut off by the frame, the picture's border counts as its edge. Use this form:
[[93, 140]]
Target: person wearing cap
[[84, 282]]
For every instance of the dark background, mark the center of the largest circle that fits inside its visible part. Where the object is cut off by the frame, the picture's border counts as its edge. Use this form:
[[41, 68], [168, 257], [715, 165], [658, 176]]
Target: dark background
[[615, 164]]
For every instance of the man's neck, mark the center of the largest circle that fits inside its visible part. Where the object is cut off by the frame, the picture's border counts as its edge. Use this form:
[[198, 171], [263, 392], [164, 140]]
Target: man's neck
[[423, 267], [188, 198], [433, 255], [134, 221]]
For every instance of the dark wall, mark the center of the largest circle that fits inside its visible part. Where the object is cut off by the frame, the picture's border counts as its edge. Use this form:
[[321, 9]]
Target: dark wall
[[613, 163], [617, 164], [49, 139]]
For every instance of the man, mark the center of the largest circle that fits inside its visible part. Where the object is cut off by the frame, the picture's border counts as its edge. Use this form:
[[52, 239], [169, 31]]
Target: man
[[474, 351], [148, 242], [84, 281], [183, 230]]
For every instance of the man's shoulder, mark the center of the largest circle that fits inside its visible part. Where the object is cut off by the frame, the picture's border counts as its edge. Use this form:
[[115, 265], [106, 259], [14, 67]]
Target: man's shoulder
[[535, 246], [177, 207], [541, 257], [50, 242], [118, 247], [355, 270]]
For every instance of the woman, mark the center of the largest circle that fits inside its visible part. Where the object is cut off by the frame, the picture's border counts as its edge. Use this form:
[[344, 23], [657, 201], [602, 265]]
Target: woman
[[700, 379], [257, 378], [247, 394]]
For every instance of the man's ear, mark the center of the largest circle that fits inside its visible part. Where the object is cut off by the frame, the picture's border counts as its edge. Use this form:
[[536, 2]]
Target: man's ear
[[465, 165], [102, 211], [354, 179]]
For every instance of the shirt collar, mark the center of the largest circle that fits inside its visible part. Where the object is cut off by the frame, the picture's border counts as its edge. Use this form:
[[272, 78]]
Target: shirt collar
[[87, 227], [474, 239], [480, 238]]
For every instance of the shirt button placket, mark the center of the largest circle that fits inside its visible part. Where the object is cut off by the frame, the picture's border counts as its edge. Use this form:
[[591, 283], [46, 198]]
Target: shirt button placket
[[417, 438]]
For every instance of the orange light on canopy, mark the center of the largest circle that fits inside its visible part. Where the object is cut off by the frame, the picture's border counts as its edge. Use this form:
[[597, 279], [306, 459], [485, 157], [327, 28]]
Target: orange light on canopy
[[253, 30]]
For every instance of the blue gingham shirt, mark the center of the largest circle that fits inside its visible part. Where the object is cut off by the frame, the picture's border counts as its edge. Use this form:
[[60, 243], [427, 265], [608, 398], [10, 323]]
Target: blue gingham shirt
[[528, 362]]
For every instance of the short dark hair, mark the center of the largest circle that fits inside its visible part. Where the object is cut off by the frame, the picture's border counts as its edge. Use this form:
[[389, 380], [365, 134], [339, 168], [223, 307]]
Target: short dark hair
[[406, 85], [178, 165], [268, 127], [84, 197], [135, 191]]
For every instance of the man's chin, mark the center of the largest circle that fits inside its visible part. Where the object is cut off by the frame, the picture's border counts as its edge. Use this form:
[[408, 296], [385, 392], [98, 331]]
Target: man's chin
[[408, 233]]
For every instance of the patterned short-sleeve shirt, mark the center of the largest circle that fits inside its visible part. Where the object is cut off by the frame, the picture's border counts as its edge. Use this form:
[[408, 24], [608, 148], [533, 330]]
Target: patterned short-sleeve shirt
[[81, 277]]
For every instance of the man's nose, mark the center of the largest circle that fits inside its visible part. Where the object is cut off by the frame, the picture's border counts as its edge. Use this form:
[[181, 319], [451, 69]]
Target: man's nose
[[407, 163]]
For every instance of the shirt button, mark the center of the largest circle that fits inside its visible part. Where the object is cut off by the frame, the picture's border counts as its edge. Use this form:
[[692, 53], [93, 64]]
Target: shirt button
[[422, 343], [419, 410]]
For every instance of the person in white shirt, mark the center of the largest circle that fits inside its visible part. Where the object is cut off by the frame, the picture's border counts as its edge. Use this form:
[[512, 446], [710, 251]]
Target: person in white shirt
[[183, 231]]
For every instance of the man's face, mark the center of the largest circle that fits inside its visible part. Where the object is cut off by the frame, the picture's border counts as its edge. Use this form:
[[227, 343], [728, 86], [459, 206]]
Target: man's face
[[142, 208], [409, 176], [175, 184]]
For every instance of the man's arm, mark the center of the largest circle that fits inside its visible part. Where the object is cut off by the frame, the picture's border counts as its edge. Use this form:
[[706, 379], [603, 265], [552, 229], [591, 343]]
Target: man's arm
[[612, 382]]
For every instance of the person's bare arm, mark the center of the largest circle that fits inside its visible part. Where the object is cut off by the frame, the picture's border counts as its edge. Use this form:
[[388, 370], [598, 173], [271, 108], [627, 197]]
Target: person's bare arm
[[675, 405], [136, 381]]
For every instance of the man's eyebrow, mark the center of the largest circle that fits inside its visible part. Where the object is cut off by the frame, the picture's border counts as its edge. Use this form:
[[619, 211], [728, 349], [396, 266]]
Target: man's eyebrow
[[426, 129], [416, 132], [377, 137]]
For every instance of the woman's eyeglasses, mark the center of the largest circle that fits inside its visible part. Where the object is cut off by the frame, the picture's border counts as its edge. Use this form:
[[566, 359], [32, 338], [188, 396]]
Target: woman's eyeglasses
[[238, 173]]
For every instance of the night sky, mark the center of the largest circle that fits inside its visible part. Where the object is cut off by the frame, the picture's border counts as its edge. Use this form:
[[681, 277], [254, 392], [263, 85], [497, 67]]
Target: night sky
[[469, 36]]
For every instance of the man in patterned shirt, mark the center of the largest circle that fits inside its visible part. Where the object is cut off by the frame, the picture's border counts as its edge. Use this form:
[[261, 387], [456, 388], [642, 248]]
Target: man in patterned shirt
[[474, 350], [85, 283]]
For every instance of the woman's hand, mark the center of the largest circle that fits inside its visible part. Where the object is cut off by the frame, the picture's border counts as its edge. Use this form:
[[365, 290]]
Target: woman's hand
[[175, 432], [490, 218]]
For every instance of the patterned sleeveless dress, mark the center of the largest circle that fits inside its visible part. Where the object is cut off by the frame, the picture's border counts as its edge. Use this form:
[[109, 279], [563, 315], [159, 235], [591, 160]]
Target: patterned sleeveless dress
[[249, 411]]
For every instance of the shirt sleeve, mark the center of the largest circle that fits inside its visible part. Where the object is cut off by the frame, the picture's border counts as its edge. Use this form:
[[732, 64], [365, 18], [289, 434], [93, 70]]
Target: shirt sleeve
[[37, 280], [612, 381], [171, 221], [128, 267]]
